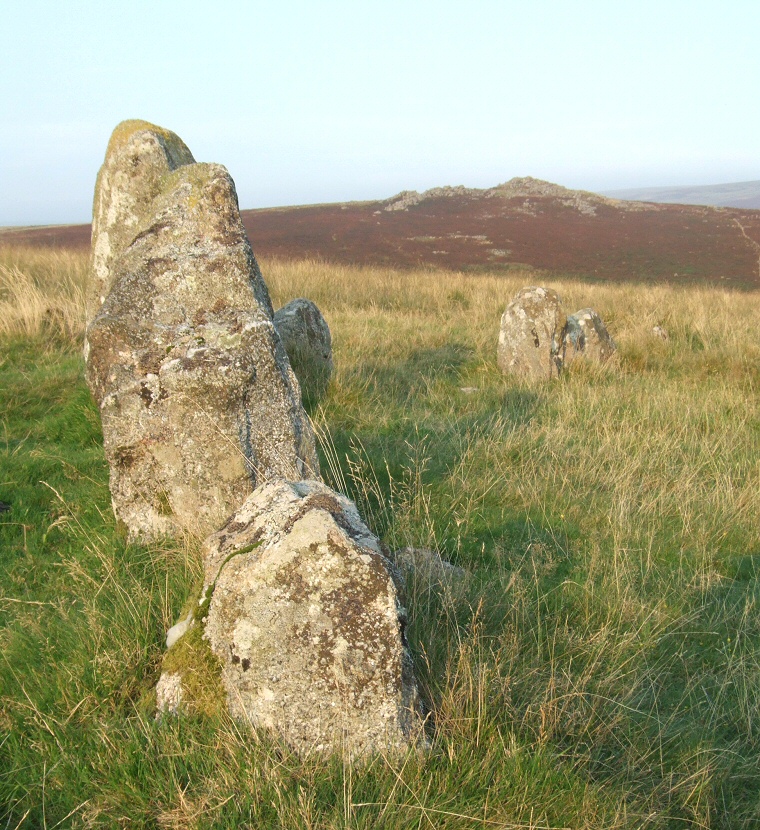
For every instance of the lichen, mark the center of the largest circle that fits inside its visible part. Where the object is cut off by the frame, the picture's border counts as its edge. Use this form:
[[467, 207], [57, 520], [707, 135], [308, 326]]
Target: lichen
[[126, 129]]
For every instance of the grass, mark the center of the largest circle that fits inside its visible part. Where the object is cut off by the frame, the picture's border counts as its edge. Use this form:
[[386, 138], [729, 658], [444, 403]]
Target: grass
[[597, 668]]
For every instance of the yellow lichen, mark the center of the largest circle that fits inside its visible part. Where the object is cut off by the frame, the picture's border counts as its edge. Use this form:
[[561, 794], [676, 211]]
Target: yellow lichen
[[126, 129]]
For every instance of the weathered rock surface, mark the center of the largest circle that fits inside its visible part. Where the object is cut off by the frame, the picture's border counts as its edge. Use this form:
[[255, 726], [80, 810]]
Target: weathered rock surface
[[196, 394], [138, 158], [531, 335], [305, 618], [169, 693], [306, 336], [586, 336]]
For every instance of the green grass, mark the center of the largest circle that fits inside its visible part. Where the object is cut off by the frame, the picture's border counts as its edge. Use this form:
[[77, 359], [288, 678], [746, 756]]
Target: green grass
[[599, 667]]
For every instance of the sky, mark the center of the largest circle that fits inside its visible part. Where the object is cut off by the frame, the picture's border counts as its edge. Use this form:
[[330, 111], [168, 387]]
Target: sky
[[308, 102]]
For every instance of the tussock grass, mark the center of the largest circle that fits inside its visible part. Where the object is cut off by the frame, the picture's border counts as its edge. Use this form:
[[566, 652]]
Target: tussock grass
[[598, 667], [42, 292]]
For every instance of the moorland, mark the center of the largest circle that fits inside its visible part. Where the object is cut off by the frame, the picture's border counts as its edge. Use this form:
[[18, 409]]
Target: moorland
[[597, 667], [520, 225]]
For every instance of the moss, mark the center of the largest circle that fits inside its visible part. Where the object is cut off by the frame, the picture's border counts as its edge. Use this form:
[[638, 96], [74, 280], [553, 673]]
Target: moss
[[147, 702], [191, 656]]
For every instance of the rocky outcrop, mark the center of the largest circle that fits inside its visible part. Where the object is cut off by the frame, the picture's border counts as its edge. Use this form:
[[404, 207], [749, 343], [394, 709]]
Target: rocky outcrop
[[301, 609], [196, 394], [306, 336], [531, 335], [586, 336]]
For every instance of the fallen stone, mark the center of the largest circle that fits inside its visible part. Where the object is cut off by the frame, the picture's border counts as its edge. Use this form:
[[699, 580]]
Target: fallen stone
[[586, 336], [305, 619], [531, 334], [306, 336], [197, 398]]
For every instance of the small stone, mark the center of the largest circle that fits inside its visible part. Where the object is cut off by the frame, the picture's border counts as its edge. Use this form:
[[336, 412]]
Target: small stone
[[169, 694], [427, 564], [586, 336], [531, 334], [306, 336], [176, 631]]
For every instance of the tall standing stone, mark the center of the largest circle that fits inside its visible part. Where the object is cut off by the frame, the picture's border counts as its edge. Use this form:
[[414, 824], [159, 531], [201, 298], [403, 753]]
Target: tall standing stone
[[531, 335], [196, 394]]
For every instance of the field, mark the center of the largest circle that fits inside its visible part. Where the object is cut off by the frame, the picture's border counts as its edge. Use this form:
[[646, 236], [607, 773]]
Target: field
[[598, 666]]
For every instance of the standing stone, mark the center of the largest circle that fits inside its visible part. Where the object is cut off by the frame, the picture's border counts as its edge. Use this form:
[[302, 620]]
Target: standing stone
[[305, 620], [531, 334], [138, 158], [587, 336], [197, 398], [306, 336]]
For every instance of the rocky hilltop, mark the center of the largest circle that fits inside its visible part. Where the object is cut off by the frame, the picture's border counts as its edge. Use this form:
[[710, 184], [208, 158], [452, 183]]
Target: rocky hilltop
[[524, 222]]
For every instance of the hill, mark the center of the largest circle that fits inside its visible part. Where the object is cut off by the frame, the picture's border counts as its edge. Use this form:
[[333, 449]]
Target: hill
[[736, 194], [524, 222]]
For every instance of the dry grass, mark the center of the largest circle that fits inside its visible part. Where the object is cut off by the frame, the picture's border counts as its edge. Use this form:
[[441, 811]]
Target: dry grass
[[598, 667], [42, 292]]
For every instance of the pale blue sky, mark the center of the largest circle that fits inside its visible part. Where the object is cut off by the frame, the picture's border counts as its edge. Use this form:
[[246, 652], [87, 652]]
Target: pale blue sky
[[332, 101]]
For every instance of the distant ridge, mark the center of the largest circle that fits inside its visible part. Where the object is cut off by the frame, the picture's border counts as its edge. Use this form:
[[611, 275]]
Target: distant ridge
[[524, 223], [736, 195]]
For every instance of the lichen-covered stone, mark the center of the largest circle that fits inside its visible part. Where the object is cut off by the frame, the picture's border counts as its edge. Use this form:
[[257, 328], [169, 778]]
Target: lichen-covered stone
[[586, 336], [306, 336], [305, 618], [196, 394], [138, 158], [531, 335]]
